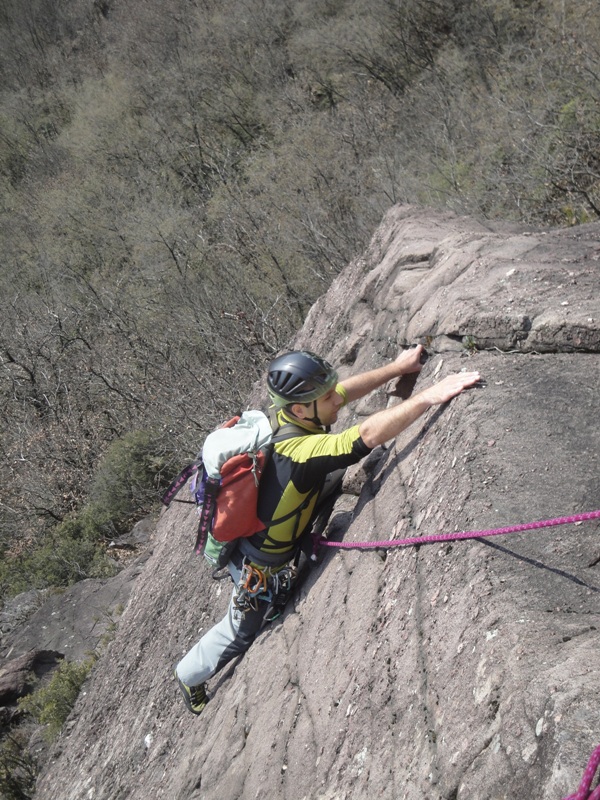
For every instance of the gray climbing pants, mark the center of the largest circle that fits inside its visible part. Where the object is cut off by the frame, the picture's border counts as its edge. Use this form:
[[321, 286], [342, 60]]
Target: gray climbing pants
[[234, 634], [229, 638]]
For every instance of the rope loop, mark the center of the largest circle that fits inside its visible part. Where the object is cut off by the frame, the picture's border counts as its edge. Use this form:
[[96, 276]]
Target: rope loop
[[583, 793]]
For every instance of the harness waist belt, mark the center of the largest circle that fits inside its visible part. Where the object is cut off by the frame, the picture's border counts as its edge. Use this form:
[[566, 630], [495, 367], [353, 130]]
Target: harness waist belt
[[264, 559]]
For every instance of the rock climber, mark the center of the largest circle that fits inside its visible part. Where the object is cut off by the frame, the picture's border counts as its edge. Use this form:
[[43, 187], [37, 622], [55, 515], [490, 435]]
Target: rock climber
[[305, 391]]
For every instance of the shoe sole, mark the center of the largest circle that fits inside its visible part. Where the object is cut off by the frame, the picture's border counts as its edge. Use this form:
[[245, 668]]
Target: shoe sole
[[187, 699]]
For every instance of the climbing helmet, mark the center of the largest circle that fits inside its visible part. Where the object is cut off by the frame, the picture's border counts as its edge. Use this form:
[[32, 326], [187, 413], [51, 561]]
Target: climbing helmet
[[299, 377]]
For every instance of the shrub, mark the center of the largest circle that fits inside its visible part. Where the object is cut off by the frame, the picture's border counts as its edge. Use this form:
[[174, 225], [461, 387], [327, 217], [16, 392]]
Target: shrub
[[124, 488], [17, 769], [126, 482], [50, 705], [72, 551]]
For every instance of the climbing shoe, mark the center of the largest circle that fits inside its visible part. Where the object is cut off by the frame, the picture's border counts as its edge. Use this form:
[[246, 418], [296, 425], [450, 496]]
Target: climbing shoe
[[194, 697]]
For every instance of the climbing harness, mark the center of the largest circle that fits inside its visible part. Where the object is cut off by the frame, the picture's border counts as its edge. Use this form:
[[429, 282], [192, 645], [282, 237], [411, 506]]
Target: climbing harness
[[583, 793], [267, 586], [448, 537], [283, 582], [251, 588]]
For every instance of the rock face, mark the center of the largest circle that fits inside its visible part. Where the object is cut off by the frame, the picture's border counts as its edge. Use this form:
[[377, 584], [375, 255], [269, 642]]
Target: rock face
[[465, 670], [18, 675], [73, 621]]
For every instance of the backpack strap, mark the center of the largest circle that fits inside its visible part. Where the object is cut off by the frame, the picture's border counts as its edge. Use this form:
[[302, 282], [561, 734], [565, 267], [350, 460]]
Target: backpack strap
[[209, 504], [268, 541], [178, 482], [288, 430]]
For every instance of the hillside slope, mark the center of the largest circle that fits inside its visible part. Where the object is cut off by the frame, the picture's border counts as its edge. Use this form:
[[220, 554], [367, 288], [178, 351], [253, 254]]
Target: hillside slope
[[454, 671], [180, 179]]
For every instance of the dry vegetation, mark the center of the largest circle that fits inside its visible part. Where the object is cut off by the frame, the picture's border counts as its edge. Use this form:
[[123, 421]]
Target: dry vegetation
[[182, 179]]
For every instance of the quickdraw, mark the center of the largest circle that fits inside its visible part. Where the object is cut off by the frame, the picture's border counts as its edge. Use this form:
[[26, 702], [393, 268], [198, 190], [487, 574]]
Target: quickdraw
[[252, 588], [283, 582], [272, 587]]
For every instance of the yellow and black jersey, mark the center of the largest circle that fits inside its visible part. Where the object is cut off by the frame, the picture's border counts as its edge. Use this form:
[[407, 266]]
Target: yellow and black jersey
[[292, 482]]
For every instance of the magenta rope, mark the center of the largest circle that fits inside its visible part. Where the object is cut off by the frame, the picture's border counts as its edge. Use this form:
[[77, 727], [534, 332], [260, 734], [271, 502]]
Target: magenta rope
[[583, 793], [449, 537]]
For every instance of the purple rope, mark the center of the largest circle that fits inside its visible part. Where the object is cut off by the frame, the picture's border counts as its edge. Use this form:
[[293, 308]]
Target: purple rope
[[583, 793], [449, 537]]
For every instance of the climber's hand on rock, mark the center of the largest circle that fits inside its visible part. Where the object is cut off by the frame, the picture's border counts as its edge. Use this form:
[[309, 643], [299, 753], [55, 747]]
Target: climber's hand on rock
[[410, 360], [384, 425], [449, 387]]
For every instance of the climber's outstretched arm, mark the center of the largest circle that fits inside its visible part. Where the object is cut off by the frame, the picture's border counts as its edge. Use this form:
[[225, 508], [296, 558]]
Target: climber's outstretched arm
[[387, 424], [360, 385]]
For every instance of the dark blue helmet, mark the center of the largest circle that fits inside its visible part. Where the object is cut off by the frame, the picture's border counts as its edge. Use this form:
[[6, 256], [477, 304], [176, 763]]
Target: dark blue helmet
[[299, 377]]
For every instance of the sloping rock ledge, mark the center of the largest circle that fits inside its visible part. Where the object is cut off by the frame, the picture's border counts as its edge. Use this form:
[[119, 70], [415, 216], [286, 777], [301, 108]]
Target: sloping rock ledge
[[466, 670]]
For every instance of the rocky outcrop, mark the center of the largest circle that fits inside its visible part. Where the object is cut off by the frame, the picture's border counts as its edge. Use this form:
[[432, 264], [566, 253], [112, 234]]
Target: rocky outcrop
[[74, 621], [19, 675], [444, 671]]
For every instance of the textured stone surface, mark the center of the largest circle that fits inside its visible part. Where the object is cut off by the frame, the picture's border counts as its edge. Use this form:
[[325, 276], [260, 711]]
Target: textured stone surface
[[456, 671], [18, 675], [73, 621]]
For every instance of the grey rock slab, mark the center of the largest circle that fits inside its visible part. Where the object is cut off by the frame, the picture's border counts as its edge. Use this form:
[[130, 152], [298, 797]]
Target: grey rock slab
[[448, 671], [74, 621]]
